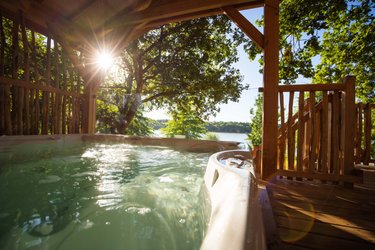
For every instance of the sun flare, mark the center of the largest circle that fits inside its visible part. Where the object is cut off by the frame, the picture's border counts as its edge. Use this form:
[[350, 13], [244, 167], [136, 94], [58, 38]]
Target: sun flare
[[104, 60]]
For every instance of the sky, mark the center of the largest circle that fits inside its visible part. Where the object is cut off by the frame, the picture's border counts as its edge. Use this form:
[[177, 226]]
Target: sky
[[237, 111]]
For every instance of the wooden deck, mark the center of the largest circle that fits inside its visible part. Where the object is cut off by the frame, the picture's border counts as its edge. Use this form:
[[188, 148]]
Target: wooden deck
[[321, 216]]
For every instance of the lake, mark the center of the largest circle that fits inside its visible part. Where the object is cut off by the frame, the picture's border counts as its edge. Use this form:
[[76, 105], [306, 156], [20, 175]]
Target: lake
[[222, 136]]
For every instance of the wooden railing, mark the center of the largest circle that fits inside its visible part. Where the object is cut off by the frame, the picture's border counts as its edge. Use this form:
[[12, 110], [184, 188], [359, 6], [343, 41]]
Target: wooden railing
[[322, 132], [40, 90]]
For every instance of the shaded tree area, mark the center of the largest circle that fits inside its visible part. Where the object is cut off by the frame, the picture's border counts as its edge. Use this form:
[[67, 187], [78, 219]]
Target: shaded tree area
[[180, 67]]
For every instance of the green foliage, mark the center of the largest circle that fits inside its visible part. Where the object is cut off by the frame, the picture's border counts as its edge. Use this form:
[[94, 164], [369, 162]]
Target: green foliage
[[140, 125], [108, 114], [211, 137], [339, 32], [175, 66], [348, 47], [255, 136], [158, 124], [186, 123]]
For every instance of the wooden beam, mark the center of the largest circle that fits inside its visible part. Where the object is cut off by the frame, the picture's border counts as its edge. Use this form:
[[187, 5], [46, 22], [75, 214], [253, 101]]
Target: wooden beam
[[247, 27], [319, 176], [170, 9], [200, 14], [309, 87], [27, 85], [91, 9], [10, 10], [270, 82]]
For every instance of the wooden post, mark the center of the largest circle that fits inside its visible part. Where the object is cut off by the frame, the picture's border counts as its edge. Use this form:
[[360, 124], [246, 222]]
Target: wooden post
[[270, 82], [349, 125]]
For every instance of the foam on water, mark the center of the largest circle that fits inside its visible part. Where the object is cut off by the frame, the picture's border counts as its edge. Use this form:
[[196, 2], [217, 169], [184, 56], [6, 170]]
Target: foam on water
[[101, 196]]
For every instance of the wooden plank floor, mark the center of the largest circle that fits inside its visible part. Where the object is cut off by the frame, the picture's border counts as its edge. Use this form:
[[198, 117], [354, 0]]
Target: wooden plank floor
[[322, 216]]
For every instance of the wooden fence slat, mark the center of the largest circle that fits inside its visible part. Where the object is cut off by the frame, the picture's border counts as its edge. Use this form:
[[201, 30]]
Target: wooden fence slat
[[317, 135], [36, 73], [72, 102], [356, 159], [7, 90], [283, 136], [45, 109], [325, 122], [2, 88], [17, 102], [367, 134], [57, 104], [26, 76], [312, 143], [290, 133], [301, 131], [64, 103], [306, 150], [359, 133], [78, 125], [335, 133]]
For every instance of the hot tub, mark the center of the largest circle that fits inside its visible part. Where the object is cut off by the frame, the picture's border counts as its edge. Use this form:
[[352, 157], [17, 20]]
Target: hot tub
[[111, 192], [236, 215]]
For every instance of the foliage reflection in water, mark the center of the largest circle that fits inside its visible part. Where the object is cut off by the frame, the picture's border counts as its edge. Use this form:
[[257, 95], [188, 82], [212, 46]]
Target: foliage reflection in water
[[114, 196]]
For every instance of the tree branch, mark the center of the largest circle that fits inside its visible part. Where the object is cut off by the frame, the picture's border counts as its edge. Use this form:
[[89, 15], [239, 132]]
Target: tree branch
[[165, 94], [151, 63]]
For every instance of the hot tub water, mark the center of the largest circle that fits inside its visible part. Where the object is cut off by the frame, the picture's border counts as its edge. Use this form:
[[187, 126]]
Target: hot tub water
[[101, 196]]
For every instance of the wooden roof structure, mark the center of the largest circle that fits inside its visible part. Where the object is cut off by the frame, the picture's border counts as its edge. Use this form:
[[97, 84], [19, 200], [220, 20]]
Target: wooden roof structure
[[88, 21], [86, 25]]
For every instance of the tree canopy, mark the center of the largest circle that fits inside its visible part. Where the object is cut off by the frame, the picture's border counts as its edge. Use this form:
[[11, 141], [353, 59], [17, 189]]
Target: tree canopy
[[340, 34], [180, 66], [186, 123]]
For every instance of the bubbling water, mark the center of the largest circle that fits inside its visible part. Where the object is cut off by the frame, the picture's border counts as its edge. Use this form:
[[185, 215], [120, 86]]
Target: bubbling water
[[103, 196]]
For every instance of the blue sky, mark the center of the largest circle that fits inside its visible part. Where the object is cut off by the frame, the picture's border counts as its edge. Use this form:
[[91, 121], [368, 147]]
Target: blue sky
[[238, 111]]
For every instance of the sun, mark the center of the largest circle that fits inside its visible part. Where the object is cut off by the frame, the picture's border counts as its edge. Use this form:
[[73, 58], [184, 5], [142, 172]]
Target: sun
[[104, 60]]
